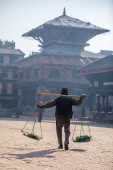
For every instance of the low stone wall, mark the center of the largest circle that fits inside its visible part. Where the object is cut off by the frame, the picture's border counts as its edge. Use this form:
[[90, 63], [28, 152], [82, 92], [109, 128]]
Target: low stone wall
[[5, 113], [103, 117]]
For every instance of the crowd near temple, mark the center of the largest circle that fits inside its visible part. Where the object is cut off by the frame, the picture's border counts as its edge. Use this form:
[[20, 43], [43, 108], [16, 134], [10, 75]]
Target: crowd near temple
[[62, 62]]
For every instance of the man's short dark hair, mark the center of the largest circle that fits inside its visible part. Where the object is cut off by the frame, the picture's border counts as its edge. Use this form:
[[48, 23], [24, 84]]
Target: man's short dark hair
[[64, 91]]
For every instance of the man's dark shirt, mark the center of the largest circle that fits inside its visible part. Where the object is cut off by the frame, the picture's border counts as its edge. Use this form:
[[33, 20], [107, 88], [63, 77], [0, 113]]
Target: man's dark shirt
[[64, 106]]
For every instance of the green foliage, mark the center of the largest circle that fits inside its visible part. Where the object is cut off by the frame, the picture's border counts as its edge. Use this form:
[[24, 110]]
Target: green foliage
[[32, 135], [83, 138]]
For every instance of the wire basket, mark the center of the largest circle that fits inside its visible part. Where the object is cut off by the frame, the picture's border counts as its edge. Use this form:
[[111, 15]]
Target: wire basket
[[82, 138], [32, 135]]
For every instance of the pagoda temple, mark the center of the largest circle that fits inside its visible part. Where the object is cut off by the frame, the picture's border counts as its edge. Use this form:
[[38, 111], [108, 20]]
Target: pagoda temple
[[62, 41]]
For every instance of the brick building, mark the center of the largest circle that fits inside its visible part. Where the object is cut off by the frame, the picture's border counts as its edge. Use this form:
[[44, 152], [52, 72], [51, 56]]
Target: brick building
[[8, 76]]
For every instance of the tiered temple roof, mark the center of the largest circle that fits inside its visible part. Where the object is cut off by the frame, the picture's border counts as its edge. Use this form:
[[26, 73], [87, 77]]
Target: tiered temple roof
[[64, 34]]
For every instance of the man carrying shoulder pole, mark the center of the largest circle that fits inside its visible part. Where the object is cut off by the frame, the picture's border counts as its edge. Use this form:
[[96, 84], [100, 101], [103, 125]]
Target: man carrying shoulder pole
[[63, 114]]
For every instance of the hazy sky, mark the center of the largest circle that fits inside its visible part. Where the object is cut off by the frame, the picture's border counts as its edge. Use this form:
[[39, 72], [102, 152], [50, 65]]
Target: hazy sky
[[20, 16]]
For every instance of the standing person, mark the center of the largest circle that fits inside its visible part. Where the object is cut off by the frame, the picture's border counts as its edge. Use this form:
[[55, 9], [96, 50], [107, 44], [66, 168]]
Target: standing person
[[63, 114], [40, 116]]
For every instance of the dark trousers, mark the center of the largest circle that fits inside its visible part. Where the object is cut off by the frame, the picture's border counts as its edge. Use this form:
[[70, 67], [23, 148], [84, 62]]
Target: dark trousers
[[61, 122]]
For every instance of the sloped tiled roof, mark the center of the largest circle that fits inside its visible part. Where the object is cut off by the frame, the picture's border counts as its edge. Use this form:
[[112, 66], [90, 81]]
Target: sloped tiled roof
[[101, 64], [66, 21], [92, 54], [10, 51]]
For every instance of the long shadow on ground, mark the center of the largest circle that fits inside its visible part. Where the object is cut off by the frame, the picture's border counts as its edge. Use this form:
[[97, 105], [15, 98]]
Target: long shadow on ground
[[43, 153]]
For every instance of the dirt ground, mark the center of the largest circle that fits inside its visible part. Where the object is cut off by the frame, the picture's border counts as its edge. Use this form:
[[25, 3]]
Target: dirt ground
[[18, 152]]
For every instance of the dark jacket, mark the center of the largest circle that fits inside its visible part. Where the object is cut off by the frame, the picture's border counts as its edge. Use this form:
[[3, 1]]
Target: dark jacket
[[63, 105]]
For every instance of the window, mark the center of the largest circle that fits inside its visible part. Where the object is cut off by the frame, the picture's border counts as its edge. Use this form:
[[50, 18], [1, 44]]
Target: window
[[15, 74], [54, 74], [1, 59], [9, 88], [13, 59], [6, 60], [10, 74], [36, 73], [27, 74], [1, 86], [6, 72]]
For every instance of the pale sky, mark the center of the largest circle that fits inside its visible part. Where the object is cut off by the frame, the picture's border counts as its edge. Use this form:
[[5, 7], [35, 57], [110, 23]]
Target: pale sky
[[20, 16]]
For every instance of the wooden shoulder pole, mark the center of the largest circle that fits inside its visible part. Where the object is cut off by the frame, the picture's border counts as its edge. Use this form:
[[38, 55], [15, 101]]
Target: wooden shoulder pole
[[57, 95]]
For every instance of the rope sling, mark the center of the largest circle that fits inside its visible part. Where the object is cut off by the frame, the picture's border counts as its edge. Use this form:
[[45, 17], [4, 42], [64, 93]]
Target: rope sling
[[83, 128], [32, 131]]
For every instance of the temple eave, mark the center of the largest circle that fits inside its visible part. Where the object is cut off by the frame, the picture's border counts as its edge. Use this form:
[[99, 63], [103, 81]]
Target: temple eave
[[51, 43], [37, 32]]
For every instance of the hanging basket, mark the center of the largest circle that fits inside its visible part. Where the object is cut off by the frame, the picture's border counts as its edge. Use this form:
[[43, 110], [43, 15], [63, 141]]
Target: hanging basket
[[82, 138], [32, 135]]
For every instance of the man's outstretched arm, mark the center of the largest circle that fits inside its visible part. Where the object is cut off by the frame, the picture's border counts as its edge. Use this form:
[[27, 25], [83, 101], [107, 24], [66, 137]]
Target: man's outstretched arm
[[80, 101], [47, 105]]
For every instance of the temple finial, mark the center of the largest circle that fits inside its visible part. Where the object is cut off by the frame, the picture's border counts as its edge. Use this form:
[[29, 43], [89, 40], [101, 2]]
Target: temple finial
[[64, 12]]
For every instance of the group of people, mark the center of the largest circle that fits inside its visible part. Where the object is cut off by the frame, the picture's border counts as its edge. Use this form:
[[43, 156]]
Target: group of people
[[63, 114]]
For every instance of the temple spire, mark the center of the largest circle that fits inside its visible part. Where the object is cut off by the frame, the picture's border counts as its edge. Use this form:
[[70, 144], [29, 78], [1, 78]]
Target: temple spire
[[64, 12]]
